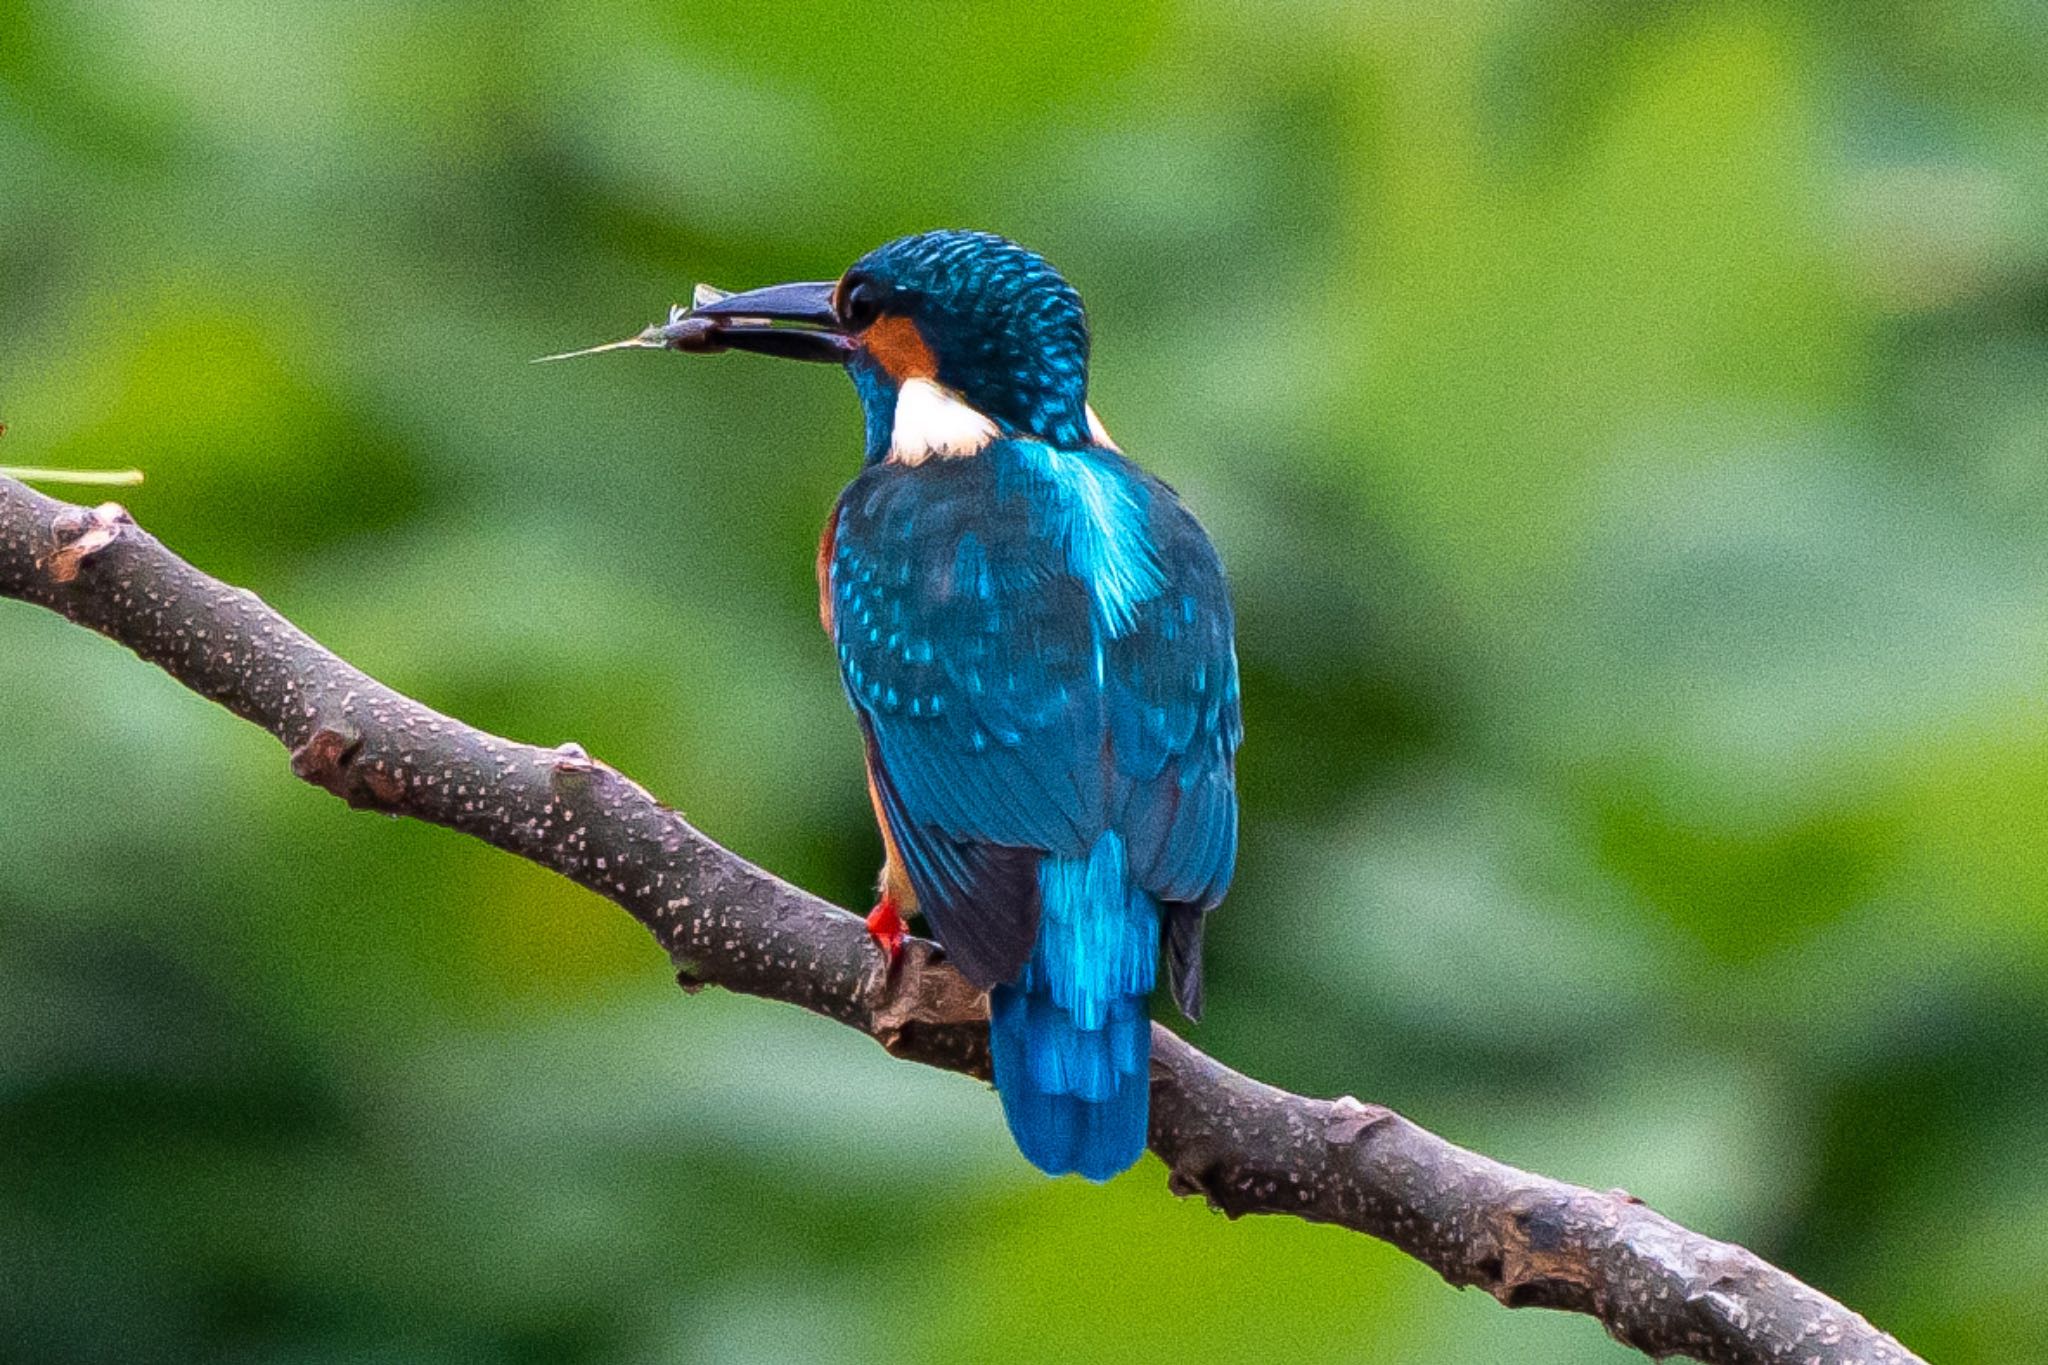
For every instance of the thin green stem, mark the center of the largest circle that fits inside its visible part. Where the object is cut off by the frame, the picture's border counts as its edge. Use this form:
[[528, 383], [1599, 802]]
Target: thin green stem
[[104, 478]]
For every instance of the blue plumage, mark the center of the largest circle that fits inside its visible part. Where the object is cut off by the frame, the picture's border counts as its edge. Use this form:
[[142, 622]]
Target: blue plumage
[[1070, 1038], [1037, 639], [1038, 644]]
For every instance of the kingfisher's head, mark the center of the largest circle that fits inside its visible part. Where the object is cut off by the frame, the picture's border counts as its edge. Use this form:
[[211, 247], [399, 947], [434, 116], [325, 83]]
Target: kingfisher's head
[[952, 338]]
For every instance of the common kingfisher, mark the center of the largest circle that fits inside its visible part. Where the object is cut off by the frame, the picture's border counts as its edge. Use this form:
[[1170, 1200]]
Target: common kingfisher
[[1036, 638]]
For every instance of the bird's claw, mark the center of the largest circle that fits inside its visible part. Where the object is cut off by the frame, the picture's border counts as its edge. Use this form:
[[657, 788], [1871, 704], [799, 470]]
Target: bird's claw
[[885, 926]]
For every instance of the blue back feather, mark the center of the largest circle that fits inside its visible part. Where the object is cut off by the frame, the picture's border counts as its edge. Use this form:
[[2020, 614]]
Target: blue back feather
[[1038, 643]]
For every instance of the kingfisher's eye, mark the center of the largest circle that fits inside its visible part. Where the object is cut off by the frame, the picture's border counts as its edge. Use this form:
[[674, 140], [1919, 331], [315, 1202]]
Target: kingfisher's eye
[[860, 302]]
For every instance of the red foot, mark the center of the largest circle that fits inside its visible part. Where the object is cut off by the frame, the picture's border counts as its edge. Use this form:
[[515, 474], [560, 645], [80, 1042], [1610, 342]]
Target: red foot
[[885, 926]]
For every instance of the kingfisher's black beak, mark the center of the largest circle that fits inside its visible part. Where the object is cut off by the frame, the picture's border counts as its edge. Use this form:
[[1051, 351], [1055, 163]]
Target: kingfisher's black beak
[[794, 321], [748, 321]]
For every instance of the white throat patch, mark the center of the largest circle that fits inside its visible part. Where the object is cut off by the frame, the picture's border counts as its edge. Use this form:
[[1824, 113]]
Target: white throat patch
[[933, 420]]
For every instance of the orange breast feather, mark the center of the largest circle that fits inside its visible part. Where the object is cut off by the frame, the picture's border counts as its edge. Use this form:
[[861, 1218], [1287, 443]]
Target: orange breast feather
[[895, 884], [828, 541]]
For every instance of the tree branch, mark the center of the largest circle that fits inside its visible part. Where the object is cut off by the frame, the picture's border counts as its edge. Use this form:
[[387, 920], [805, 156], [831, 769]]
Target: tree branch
[[1243, 1145]]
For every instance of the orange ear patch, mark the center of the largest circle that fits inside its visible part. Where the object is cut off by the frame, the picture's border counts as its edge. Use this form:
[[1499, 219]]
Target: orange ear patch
[[899, 348]]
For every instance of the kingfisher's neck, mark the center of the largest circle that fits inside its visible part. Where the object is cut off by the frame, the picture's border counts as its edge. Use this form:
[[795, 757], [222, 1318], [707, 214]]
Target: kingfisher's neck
[[915, 417]]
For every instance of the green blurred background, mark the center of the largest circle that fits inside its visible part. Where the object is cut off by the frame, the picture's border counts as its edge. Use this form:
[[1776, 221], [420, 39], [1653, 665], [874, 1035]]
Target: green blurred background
[[1625, 426]]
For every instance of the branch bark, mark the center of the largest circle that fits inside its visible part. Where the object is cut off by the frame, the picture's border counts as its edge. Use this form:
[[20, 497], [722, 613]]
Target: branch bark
[[1246, 1147]]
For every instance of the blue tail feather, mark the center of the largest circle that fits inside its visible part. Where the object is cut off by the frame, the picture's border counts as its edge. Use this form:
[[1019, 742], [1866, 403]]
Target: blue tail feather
[[1071, 1038]]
